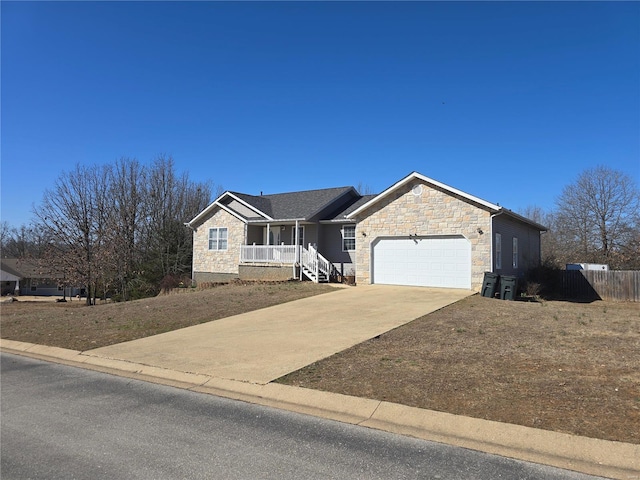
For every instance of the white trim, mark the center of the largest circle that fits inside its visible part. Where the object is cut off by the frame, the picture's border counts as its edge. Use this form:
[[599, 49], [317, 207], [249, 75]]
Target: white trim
[[216, 203], [414, 176], [498, 256], [343, 237], [203, 213], [217, 240], [231, 212]]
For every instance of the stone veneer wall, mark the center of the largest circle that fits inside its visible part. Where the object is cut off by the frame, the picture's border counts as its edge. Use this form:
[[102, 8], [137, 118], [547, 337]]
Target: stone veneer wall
[[218, 261], [433, 212]]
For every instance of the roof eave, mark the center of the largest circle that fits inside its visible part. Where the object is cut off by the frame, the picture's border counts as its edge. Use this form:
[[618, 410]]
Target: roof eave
[[522, 219], [217, 203], [278, 220]]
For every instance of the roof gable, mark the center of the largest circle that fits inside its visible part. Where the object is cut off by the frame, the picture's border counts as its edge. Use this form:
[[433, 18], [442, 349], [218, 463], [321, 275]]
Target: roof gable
[[415, 175], [447, 189]]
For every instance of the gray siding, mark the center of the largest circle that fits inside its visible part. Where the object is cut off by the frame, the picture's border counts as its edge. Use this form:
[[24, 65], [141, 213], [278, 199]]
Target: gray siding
[[255, 235], [310, 234], [241, 209], [528, 245], [330, 246], [280, 234]]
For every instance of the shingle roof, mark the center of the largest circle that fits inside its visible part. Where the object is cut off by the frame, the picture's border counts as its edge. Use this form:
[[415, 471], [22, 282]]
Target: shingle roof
[[25, 268], [357, 204], [8, 265], [294, 205]]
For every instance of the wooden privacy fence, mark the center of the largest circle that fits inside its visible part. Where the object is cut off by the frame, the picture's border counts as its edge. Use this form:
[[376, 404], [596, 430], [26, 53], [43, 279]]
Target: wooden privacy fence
[[617, 285]]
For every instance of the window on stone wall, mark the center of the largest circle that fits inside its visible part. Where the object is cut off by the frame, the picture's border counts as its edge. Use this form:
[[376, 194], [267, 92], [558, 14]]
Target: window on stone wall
[[218, 238]]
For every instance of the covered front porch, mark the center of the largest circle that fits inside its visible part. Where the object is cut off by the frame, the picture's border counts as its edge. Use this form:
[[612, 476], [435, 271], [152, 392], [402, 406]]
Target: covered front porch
[[293, 244]]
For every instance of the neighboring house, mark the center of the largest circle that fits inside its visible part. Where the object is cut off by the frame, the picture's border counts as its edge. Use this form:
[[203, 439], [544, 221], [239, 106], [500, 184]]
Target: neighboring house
[[10, 280], [27, 277], [417, 232]]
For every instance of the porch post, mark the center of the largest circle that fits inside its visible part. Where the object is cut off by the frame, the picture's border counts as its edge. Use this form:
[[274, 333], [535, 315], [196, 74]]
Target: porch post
[[268, 231], [297, 241]]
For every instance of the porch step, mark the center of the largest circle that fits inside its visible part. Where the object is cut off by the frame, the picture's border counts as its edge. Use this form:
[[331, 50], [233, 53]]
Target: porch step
[[322, 277]]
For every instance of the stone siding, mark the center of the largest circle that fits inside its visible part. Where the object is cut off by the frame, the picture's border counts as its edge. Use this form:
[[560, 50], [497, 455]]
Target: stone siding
[[432, 212], [218, 261]]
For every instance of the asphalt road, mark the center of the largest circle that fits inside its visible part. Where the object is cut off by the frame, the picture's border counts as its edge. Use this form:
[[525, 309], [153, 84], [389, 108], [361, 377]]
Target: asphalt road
[[62, 422]]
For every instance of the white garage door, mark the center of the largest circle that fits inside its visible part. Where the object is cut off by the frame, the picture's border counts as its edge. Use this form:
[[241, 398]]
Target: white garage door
[[427, 262]]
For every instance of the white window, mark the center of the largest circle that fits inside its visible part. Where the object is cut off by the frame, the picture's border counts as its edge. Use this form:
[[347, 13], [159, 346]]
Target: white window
[[498, 251], [348, 238], [515, 252], [218, 238]]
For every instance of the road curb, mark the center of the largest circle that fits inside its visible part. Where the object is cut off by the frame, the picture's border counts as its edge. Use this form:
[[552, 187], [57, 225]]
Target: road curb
[[582, 454]]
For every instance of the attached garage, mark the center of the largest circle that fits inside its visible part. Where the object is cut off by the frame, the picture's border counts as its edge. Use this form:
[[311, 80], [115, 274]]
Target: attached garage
[[441, 261]]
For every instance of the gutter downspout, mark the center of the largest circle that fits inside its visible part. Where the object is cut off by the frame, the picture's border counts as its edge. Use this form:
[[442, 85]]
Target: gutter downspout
[[492, 246], [188, 225]]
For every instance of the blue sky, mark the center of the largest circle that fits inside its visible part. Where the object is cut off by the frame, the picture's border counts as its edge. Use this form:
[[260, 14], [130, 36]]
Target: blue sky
[[507, 101]]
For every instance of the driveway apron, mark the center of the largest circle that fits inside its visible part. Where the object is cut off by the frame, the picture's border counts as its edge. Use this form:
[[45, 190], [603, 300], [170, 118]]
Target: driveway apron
[[263, 345]]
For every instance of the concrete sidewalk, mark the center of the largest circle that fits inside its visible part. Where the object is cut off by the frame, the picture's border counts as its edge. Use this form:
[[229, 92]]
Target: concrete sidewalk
[[587, 455], [263, 345], [237, 357]]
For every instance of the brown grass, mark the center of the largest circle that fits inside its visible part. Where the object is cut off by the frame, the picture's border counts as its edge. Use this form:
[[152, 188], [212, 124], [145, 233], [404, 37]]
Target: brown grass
[[568, 367], [79, 327]]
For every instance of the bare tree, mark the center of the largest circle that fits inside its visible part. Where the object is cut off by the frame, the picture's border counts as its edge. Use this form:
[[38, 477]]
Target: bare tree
[[128, 192], [5, 236], [75, 213], [173, 199], [597, 216], [22, 242], [120, 228], [364, 189]]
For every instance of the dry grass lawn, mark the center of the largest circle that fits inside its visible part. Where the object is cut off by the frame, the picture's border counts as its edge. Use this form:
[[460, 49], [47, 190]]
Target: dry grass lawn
[[78, 327], [568, 367]]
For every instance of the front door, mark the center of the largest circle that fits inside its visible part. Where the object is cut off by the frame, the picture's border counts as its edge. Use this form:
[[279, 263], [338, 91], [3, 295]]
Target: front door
[[301, 235]]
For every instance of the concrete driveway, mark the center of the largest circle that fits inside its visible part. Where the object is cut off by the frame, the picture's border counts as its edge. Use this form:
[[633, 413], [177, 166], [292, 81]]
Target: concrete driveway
[[263, 345]]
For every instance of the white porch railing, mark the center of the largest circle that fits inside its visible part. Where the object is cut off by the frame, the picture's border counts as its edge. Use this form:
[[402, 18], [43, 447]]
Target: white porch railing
[[315, 266], [268, 254]]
